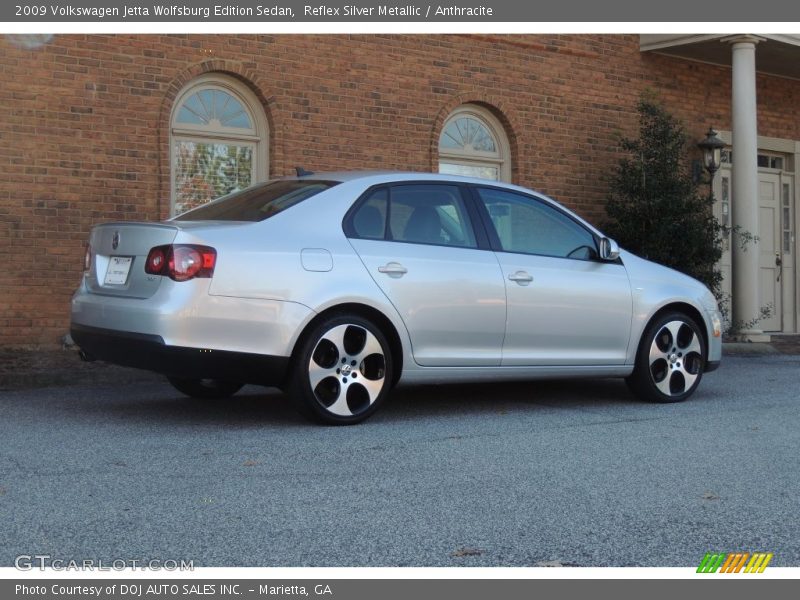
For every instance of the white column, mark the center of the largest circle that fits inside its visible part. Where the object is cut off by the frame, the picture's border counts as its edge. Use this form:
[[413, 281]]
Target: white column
[[746, 292]]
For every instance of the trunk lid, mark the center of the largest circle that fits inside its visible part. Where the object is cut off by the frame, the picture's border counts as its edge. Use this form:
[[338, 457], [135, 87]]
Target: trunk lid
[[119, 253]]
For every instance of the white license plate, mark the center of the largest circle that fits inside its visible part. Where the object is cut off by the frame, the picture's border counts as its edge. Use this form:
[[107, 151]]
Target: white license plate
[[118, 269]]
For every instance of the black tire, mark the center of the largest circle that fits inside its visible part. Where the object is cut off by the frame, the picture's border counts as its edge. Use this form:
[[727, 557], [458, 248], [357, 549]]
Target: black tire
[[342, 371], [205, 389], [670, 360]]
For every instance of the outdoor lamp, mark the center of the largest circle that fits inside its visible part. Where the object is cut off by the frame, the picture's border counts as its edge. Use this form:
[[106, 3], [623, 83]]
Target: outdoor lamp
[[712, 151]]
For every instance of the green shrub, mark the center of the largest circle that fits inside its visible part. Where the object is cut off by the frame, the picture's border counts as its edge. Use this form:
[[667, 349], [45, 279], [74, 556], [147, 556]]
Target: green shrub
[[655, 207]]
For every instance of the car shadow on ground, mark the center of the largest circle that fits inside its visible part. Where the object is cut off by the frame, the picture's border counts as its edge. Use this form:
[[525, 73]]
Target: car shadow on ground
[[252, 406], [508, 396], [258, 406]]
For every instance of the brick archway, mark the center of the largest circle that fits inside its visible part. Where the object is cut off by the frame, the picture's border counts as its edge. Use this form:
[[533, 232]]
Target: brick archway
[[246, 76], [497, 107]]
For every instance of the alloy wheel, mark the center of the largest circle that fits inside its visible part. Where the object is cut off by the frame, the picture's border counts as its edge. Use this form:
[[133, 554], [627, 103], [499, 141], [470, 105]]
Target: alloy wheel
[[347, 370], [676, 358]]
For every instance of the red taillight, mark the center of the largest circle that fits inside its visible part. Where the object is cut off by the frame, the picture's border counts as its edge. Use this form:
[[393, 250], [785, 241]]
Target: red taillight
[[181, 262], [155, 261], [184, 263], [87, 258]]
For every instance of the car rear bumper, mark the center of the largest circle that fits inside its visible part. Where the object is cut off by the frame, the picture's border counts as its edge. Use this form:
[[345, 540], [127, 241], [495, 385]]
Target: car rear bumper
[[147, 351], [184, 315]]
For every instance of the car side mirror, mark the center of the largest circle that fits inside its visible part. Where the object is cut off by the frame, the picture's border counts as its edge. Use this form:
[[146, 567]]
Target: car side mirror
[[609, 249]]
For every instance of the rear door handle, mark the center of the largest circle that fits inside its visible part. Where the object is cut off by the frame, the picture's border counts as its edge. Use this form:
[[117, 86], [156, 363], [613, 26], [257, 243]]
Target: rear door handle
[[521, 277], [393, 269]]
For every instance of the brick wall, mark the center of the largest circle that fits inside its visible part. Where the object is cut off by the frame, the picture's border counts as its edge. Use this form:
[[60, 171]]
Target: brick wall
[[84, 131]]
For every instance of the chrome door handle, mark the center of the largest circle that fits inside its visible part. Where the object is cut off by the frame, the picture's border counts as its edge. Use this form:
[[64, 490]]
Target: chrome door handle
[[393, 269], [521, 277]]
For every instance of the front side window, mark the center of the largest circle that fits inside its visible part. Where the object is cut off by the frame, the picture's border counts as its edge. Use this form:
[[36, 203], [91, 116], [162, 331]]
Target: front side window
[[525, 225], [418, 213], [217, 142]]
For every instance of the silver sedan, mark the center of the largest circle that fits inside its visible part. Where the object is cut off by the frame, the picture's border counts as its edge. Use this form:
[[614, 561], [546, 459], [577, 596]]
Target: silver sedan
[[337, 286]]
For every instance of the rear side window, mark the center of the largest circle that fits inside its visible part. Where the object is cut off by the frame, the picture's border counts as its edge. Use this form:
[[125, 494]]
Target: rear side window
[[418, 213], [258, 202], [369, 221]]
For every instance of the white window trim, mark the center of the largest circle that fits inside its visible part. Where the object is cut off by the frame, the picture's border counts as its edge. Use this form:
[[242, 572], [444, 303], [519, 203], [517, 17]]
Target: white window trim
[[501, 160], [259, 141]]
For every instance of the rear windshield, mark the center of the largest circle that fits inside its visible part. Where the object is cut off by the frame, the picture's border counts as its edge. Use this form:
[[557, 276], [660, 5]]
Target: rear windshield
[[258, 202]]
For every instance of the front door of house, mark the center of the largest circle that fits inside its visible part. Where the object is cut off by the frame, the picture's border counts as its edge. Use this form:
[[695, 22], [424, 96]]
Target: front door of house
[[775, 249], [769, 263], [775, 238]]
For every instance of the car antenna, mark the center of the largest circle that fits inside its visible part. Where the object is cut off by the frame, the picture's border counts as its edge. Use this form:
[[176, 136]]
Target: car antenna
[[301, 172]]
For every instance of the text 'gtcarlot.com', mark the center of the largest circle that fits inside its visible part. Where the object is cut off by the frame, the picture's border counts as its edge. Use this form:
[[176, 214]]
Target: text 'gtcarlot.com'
[[29, 562]]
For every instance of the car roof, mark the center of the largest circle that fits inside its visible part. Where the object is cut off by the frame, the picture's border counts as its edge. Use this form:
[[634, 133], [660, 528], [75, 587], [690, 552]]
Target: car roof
[[389, 176], [374, 177]]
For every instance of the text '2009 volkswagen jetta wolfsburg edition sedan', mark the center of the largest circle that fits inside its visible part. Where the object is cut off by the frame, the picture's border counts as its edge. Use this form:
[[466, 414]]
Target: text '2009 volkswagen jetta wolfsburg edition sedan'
[[336, 286]]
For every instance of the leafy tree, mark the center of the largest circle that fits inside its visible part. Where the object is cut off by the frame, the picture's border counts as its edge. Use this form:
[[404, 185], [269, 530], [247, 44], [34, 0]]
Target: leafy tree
[[655, 207]]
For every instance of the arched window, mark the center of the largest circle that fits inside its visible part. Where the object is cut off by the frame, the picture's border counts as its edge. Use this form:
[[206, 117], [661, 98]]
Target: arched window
[[473, 143], [218, 141]]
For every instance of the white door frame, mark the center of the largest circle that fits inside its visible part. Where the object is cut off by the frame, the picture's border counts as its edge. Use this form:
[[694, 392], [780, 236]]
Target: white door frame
[[791, 150]]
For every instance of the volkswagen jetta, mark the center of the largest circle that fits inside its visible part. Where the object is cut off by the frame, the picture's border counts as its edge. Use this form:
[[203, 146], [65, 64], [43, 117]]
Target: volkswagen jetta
[[337, 286]]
